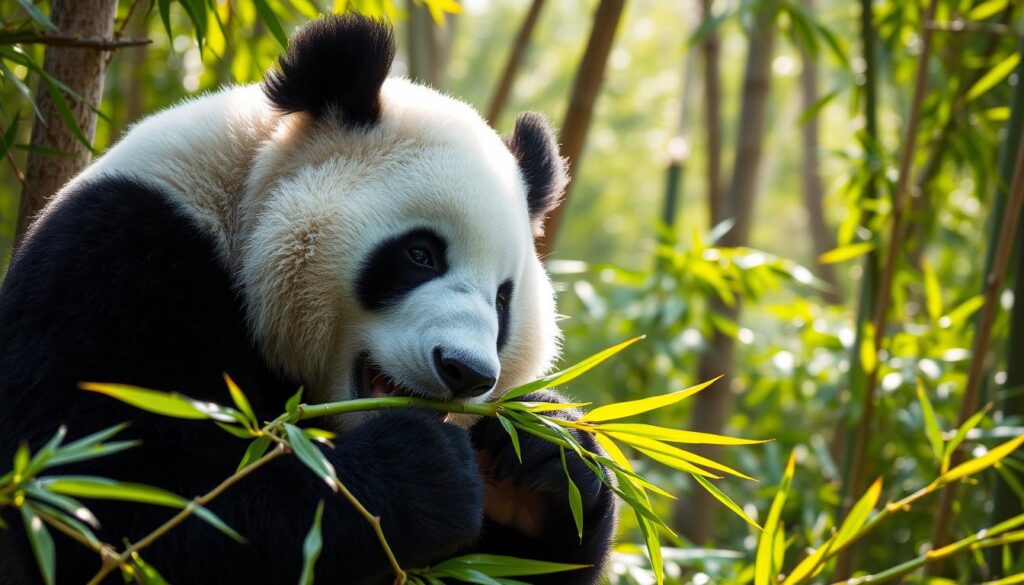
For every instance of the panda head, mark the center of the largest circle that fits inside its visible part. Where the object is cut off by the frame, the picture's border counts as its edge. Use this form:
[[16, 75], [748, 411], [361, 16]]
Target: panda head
[[387, 232]]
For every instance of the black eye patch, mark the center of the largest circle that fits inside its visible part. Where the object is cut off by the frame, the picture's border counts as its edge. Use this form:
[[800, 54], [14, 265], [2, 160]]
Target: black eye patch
[[395, 268], [503, 305]]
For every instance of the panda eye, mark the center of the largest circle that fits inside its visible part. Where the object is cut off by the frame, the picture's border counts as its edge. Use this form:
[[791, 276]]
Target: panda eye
[[501, 301], [422, 257]]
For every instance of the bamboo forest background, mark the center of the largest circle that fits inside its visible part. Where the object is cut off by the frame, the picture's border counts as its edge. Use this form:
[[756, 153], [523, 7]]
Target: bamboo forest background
[[811, 198]]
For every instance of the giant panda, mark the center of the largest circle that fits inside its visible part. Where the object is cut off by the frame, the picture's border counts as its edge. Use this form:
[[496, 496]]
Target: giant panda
[[333, 228]]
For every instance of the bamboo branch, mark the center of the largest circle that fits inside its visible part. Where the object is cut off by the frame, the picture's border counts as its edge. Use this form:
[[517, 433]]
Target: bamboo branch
[[185, 512], [884, 295], [515, 61], [958, 26], [993, 287], [53, 40]]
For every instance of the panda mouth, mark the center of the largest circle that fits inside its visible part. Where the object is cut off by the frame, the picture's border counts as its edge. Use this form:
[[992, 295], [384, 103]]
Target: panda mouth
[[372, 382]]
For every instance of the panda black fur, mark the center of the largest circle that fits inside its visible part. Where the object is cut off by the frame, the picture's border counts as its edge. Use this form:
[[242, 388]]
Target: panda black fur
[[254, 232]]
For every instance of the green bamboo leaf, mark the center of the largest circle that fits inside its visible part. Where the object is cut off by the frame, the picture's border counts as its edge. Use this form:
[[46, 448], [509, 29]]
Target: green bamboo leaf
[[145, 573], [649, 532], [867, 353], [312, 546], [847, 252], [42, 544], [37, 16], [512, 434], [108, 489], [240, 400], [859, 514], [634, 407], [43, 456], [213, 520], [575, 499], [961, 434], [995, 75], [292, 406], [65, 456], [269, 19], [931, 425], [982, 463], [73, 523], [165, 16], [764, 569], [311, 456], [239, 432], [23, 89], [647, 445], [932, 291], [542, 406], [986, 9], [64, 110], [568, 374], [673, 435], [504, 566], [163, 403], [68, 505], [9, 135], [725, 500], [963, 311], [256, 450]]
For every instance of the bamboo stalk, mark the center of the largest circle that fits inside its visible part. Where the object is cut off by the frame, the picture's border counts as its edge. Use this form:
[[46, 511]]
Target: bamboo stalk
[[586, 87], [1007, 504], [993, 288], [901, 197], [514, 63], [717, 208]]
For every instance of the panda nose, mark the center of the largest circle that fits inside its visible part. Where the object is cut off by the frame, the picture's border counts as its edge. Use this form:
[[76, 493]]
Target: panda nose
[[464, 378]]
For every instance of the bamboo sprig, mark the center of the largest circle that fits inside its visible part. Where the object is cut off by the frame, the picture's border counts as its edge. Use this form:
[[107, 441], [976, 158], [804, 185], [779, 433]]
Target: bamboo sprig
[[123, 559]]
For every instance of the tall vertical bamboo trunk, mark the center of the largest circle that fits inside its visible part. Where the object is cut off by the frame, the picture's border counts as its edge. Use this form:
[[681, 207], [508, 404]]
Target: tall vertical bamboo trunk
[[822, 239], [711, 409], [585, 89], [81, 69], [514, 63], [717, 206], [1007, 504]]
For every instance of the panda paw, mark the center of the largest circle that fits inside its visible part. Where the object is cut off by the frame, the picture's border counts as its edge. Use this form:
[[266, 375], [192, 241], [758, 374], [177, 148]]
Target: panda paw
[[532, 496]]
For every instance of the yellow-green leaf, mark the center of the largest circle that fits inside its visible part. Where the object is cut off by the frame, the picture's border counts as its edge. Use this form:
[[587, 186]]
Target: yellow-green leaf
[[634, 407], [847, 252], [312, 546], [931, 425], [859, 513], [996, 74], [961, 434], [932, 291], [982, 463], [240, 400], [42, 544], [986, 9], [164, 403], [570, 373], [677, 453], [726, 500], [868, 354], [575, 498], [674, 435], [764, 569]]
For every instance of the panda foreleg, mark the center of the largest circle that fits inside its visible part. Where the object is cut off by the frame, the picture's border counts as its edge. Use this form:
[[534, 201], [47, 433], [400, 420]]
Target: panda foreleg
[[527, 508]]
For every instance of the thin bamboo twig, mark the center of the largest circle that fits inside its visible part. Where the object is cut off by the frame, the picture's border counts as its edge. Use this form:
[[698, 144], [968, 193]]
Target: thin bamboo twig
[[374, 521], [514, 63], [901, 197], [991, 28], [994, 284], [185, 512], [53, 40]]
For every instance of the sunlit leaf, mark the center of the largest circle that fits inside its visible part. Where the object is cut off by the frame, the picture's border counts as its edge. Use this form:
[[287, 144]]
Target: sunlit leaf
[[987, 9], [270, 20], [37, 16], [725, 500], [964, 310], [255, 450], [634, 407], [568, 374], [292, 406], [240, 400], [961, 434], [764, 569], [847, 252], [648, 446], [995, 75], [932, 291], [312, 546], [675, 435], [859, 513], [163, 403], [504, 566], [978, 464]]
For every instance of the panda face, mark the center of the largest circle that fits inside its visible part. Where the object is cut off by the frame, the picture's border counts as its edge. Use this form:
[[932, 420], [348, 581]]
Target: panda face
[[395, 256]]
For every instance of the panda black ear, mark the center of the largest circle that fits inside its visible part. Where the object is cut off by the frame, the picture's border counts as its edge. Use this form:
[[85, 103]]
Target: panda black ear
[[534, 145], [334, 65]]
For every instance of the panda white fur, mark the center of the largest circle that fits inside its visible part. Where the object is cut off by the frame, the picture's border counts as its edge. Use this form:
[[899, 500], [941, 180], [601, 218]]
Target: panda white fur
[[333, 228]]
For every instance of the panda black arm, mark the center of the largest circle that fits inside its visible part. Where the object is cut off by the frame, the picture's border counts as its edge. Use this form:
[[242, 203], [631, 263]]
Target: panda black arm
[[540, 481], [115, 284]]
